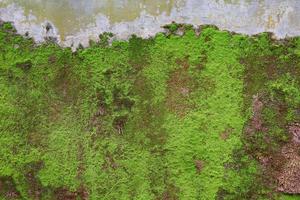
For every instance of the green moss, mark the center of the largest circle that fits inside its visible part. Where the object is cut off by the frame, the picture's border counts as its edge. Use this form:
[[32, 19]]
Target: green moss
[[7, 26], [173, 27], [289, 197], [154, 118]]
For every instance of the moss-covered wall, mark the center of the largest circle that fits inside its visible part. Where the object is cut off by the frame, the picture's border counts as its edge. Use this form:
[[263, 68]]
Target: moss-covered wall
[[160, 118]]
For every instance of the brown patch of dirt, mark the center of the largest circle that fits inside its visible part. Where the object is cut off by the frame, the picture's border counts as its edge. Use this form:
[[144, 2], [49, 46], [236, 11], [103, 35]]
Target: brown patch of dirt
[[225, 134], [55, 110], [83, 193], [283, 166], [271, 68], [119, 124], [8, 189], [199, 164], [52, 59], [288, 179], [35, 188], [294, 130], [256, 123], [203, 60], [179, 87], [271, 164], [258, 69], [35, 139], [97, 118], [271, 160], [169, 194], [25, 66], [109, 162], [65, 194], [183, 62], [267, 67]]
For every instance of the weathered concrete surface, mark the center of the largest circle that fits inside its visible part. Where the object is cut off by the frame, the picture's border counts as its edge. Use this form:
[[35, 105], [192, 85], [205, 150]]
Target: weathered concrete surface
[[77, 21]]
